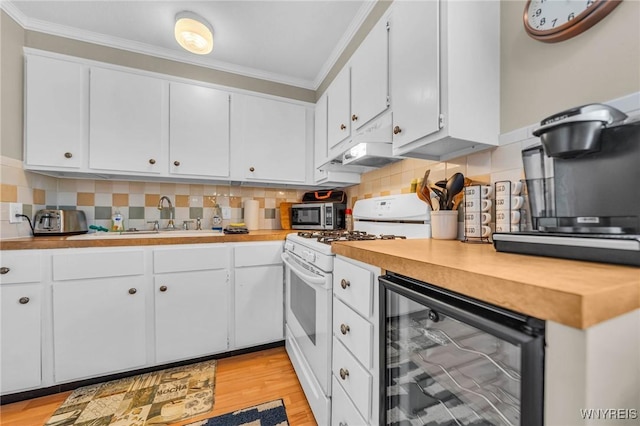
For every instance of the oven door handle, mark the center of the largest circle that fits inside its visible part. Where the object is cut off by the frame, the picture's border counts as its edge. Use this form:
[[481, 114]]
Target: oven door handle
[[312, 279]]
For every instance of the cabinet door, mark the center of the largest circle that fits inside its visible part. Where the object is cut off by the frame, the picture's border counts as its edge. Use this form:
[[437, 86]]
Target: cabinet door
[[370, 76], [198, 131], [192, 310], [274, 140], [320, 133], [415, 70], [55, 112], [338, 111], [127, 122], [98, 326], [259, 314], [20, 319]]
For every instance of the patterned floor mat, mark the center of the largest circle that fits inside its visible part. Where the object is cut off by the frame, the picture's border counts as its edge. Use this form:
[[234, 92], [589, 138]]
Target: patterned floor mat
[[152, 399], [268, 414]]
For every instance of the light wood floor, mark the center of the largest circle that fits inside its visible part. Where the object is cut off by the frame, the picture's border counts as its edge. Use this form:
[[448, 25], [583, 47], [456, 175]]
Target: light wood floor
[[241, 381]]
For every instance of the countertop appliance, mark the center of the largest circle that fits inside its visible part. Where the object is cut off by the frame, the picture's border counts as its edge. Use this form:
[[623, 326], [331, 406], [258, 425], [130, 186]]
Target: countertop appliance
[[318, 216], [583, 188], [309, 284], [59, 222], [447, 359]]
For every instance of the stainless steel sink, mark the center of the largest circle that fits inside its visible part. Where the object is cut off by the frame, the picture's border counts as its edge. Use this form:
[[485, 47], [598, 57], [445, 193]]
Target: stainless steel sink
[[147, 234]]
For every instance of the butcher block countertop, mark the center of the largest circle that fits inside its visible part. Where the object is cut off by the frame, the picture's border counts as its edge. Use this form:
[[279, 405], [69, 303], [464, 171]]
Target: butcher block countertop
[[574, 293], [140, 240]]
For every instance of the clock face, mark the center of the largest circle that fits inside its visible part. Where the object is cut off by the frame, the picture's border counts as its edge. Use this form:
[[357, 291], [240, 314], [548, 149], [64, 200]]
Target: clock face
[[557, 20]]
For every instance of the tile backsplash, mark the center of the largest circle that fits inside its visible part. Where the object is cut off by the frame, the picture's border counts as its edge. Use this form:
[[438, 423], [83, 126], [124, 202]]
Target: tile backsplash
[[136, 201]]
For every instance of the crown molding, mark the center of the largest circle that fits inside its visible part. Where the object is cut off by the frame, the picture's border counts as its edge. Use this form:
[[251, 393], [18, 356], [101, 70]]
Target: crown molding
[[353, 28], [145, 49]]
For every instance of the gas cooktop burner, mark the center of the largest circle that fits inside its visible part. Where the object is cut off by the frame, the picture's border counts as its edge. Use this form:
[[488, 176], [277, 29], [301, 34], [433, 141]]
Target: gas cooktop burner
[[328, 237]]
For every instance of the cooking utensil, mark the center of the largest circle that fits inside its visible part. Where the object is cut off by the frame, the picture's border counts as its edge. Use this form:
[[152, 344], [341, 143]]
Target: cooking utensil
[[441, 198], [454, 186], [423, 192]]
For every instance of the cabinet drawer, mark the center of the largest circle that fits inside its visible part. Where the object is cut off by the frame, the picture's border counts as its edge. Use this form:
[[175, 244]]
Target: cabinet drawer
[[258, 254], [354, 331], [343, 412], [23, 267], [357, 383], [117, 263], [353, 285], [183, 259]]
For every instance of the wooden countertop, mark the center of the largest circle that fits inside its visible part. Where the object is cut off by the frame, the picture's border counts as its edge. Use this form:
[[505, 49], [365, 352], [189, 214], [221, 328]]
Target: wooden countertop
[[32, 243], [575, 293]]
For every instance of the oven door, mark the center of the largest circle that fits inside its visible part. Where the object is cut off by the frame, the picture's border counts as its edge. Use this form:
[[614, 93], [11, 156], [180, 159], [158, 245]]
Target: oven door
[[308, 316], [308, 216]]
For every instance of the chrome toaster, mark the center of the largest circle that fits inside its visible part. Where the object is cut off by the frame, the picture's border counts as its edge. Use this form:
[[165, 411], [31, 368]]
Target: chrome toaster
[[59, 222]]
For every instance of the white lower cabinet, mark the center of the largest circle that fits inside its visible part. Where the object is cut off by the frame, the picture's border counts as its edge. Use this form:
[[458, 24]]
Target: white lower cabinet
[[20, 339], [355, 360], [258, 301], [192, 310], [191, 299], [99, 326]]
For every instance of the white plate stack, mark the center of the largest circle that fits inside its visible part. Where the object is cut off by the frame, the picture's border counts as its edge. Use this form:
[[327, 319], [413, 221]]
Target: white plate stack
[[508, 205], [477, 212]]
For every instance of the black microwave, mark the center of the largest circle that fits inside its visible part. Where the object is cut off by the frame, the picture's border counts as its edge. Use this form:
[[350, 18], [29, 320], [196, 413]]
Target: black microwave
[[318, 216]]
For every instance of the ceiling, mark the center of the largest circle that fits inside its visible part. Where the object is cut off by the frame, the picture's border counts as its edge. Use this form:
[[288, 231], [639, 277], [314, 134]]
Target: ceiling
[[292, 42]]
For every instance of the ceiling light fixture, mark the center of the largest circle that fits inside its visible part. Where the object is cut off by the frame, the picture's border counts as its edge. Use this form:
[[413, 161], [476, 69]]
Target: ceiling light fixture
[[194, 33]]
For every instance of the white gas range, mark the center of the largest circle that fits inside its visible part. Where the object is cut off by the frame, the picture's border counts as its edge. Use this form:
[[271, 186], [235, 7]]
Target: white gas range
[[309, 281]]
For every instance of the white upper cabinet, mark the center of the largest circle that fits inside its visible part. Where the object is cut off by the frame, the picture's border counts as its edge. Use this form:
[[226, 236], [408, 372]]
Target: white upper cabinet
[[370, 76], [128, 122], [56, 99], [321, 149], [415, 69], [445, 77], [338, 112], [271, 139], [198, 131]]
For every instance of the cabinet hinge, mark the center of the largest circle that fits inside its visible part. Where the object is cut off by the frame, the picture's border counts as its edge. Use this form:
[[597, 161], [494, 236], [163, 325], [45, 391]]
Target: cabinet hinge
[[441, 121], [388, 26], [388, 100]]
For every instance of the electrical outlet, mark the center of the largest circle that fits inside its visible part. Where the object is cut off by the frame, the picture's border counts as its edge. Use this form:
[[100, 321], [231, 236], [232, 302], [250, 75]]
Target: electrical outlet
[[226, 212], [14, 209]]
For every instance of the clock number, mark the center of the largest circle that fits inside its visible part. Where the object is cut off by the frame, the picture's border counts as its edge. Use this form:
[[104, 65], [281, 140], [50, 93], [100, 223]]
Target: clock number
[[538, 12], [553, 23], [543, 21], [571, 16]]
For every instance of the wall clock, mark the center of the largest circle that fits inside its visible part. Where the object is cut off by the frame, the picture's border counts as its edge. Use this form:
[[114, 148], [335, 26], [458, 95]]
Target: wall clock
[[557, 20]]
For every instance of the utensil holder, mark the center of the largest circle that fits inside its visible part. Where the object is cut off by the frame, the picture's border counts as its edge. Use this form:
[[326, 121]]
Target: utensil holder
[[444, 224], [477, 214], [508, 215]]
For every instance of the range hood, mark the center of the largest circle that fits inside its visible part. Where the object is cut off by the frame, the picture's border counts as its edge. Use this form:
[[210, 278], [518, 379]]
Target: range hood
[[371, 145]]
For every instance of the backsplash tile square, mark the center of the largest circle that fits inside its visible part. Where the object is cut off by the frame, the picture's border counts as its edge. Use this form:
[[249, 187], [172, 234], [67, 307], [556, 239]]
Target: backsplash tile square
[[136, 212]]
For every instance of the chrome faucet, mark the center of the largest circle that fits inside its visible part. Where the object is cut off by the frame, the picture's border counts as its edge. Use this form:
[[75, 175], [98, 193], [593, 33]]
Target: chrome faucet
[[170, 225]]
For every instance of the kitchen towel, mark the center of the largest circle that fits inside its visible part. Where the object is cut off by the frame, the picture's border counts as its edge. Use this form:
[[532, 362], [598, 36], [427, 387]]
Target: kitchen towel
[[251, 216]]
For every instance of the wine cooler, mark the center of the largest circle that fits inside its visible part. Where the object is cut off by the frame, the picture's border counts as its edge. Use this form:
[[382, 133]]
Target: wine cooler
[[452, 360]]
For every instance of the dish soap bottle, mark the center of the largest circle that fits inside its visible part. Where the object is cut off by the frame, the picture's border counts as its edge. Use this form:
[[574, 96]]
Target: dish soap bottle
[[117, 222], [217, 218]]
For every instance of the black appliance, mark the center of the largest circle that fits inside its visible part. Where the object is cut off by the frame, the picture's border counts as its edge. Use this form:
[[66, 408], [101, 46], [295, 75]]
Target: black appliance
[[583, 188], [447, 359]]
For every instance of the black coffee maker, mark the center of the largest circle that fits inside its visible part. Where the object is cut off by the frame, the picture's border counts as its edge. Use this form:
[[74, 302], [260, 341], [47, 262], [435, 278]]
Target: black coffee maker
[[583, 185]]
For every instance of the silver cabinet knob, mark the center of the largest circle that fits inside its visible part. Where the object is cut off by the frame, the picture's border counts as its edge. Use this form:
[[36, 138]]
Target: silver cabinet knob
[[23, 300], [397, 130], [176, 163], [354, 117], [344, 329], [344, 373], [252, 169], [163, 288], [68, 155], [152, 161], [344, 283], [132, 291], [343, 127], [4, 270]]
